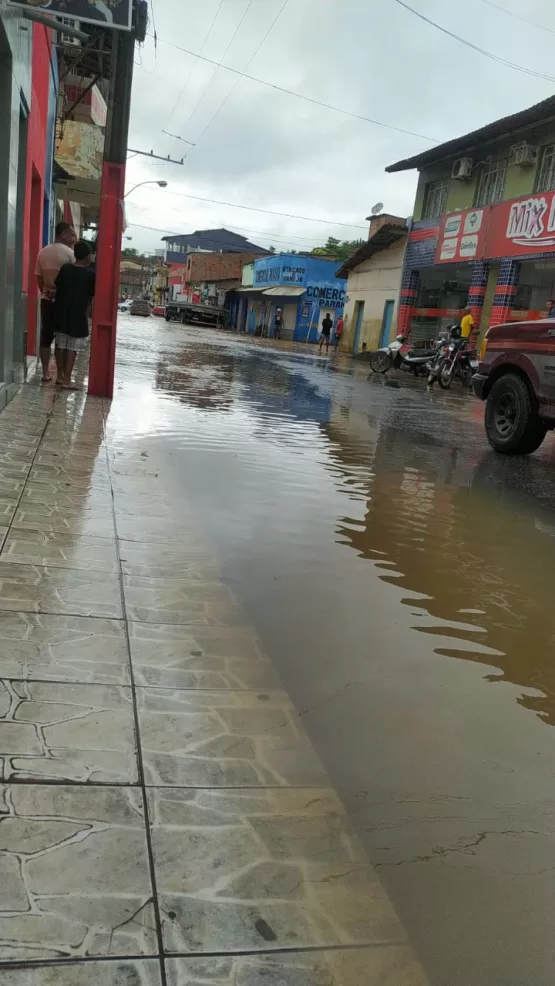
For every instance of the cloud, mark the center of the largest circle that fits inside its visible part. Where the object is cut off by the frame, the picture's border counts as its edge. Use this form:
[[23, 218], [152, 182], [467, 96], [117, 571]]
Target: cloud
[[273, 151]]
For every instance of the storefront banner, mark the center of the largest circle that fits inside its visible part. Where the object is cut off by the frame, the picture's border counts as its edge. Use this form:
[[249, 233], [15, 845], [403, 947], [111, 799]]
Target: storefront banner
[[103, 13], [522, 226], [462, 236]]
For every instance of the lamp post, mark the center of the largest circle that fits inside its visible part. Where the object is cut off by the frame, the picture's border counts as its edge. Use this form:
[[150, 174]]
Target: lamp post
[[161, 184]]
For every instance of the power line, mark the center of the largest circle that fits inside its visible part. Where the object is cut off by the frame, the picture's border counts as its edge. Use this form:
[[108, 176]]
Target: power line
[[268, 212], [245, 229], [298, 95], [249, 63], [469, 44], [517, 17], [188, 79], [218, 65]]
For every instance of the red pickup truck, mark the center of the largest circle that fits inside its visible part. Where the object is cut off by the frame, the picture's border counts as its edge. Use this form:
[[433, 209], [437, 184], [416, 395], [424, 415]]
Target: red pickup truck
[[516, 378]]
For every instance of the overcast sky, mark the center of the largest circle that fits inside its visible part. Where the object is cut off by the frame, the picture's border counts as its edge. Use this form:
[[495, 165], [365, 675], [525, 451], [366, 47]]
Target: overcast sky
[[273, 151]]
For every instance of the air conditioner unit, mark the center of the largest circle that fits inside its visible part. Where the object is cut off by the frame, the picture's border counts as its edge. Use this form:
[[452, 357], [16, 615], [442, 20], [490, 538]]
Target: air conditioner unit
[[462, 168], [523, 154], [68, 39]]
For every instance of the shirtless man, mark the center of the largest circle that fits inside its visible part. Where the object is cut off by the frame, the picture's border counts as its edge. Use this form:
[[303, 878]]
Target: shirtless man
[[49, 261]]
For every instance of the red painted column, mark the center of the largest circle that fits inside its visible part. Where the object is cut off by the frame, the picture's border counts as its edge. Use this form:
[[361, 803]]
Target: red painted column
[[108, 253]]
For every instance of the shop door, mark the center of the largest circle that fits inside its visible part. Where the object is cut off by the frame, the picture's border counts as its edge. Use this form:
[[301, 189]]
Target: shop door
[[289, 320], [386, 323], [358, 317]]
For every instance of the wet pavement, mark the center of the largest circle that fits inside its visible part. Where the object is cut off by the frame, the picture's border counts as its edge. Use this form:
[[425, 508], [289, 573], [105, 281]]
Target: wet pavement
[[277, 692]]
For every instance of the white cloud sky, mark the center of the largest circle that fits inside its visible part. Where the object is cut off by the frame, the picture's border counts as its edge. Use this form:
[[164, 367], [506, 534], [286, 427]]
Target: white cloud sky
[[272, 151]]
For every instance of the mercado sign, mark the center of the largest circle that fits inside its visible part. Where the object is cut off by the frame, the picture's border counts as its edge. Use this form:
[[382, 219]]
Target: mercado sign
[[104, 13]]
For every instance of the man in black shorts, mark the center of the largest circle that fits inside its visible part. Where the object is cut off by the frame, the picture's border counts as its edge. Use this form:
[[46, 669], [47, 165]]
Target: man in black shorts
[[327, 326], [49, 261]]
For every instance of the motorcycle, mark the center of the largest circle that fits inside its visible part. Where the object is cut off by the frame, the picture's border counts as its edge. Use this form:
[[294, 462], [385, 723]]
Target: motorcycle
[[456, 361], [412, 360]]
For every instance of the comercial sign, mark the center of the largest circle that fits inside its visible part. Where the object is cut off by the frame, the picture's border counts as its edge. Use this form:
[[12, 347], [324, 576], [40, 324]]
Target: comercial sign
[[462, 236], [104, 13], [522, 226]]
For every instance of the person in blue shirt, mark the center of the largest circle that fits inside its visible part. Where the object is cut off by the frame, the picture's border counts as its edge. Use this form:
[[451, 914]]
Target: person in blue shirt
[[551, 308]]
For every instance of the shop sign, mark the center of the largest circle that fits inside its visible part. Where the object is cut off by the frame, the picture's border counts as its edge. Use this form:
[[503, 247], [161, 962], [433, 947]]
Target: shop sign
[[462, 236], [103, 13], [292, 274], [523, 226], [326, 297]]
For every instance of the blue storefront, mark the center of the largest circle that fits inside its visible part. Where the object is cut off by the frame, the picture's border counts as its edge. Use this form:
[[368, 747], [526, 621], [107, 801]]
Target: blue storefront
[[305, 288]]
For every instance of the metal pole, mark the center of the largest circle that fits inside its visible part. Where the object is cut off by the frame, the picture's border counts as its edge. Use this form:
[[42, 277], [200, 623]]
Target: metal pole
[[110, 224]]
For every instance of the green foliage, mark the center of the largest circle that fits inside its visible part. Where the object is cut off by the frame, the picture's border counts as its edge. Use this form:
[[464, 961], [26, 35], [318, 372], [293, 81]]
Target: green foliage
[[337, 249]]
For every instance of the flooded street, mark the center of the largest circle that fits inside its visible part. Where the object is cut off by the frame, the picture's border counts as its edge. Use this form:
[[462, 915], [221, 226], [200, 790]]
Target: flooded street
[[399, 576], [276, 692]]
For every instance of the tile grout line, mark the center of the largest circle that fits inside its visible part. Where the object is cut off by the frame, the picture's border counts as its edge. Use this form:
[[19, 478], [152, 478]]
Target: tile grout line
[[26, 480], [140, 765], [199, 956]]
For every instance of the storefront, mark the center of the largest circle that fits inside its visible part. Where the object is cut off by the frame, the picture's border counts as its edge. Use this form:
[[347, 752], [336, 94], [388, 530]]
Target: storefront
[[500, 260], [305, 288]]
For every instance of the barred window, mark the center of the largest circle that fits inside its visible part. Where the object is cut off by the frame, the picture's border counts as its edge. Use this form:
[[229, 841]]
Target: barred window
[[545, 181], [491, 183], [435, 198]]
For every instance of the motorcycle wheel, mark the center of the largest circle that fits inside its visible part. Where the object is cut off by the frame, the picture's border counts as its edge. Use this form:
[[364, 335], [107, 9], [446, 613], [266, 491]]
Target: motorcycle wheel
[[380, 362], [445, 375]]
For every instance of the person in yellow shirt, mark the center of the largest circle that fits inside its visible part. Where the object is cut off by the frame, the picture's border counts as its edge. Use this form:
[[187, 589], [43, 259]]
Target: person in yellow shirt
[[467, 323]]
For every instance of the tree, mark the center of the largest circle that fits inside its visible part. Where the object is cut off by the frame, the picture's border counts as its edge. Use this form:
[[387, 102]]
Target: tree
[[130, 252], [338, 250], [272, 249]]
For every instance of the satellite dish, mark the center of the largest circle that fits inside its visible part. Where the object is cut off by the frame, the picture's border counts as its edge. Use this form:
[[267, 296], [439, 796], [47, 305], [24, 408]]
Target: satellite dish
[[377, 208]]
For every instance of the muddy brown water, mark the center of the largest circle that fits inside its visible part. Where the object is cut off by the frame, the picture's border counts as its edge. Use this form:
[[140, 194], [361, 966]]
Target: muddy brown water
[[401, 577]]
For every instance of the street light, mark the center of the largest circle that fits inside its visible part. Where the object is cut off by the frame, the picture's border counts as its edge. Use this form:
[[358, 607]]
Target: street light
[[161, 184]]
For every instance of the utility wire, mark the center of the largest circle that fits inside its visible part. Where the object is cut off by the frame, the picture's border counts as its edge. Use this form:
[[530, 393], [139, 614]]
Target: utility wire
[[233, 88], [217, 64], [268, 212], [298, 95], [469, 44], [245, 229], [188, 79], [517, 17]]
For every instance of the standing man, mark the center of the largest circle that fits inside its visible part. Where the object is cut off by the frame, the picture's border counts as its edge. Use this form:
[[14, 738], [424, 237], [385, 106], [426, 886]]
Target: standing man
[[551, 308], [339, 326], [327, 326], [49, 261], [467, 323], [75, 286], [278, 323]]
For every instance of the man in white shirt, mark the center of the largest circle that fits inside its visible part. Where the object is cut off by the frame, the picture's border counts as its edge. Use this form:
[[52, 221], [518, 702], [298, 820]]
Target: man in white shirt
[[49, 262]]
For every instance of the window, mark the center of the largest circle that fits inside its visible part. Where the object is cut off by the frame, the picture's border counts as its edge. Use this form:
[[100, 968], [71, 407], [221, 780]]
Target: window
[[491, 183], [435, 198], [545, 181]]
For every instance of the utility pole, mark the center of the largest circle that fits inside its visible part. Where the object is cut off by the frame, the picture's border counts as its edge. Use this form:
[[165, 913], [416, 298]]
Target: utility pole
[[110, 224]]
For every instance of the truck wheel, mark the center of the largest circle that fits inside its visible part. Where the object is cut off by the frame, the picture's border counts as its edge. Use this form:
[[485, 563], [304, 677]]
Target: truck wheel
[[513, 425]]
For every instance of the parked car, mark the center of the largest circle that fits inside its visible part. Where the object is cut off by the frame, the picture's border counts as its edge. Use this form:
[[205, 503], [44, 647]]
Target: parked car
[[124, 306], [516, 379], [159, 310], [140, 307]]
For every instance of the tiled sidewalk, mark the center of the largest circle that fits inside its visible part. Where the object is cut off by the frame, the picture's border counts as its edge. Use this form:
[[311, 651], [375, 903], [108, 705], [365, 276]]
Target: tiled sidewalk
[[163, 817]]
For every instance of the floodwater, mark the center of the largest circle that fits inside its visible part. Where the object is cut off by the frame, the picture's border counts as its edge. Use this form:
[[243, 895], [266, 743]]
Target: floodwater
[[401, 577]]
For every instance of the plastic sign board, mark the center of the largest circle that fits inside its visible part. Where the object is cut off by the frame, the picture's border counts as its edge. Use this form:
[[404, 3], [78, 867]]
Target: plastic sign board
[[522, 226], [104, 13], [462, 236]]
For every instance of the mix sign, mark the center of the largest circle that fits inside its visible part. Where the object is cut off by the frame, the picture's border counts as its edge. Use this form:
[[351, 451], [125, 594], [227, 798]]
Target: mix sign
[[104, 13], [519, 227]]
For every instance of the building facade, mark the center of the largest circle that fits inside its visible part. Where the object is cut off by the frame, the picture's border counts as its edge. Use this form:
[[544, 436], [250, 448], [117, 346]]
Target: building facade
[[28, 88], [177, 248], [483, 230], [304, 287], [373, 285]]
